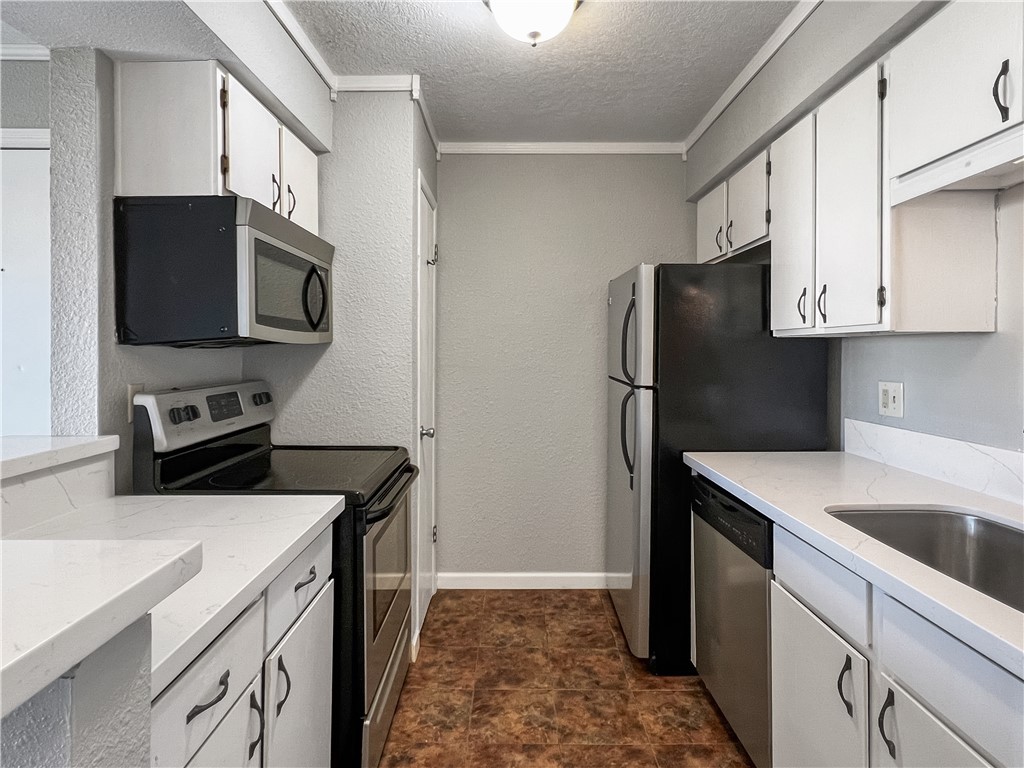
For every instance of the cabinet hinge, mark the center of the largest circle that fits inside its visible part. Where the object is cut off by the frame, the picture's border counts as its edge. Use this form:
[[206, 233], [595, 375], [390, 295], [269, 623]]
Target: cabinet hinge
[[223, 97], [883, 87], [768, 216], [768, 168], [433, 261], [433, 534], [224, 164], [881, 296]]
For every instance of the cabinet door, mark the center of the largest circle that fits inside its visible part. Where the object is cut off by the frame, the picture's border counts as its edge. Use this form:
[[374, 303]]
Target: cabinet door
[[819, 691], [238, 740], [848, 191], [945, 82], [793, 227], [298, 689], [909, 736], [711, 225], [748, 204], [252, 144], [300, 169]]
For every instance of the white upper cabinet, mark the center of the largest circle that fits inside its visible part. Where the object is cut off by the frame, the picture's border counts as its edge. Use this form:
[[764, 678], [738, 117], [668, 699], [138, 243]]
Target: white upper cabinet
[[848, 205], [793, 227], [711, 221], [955, 81], [300, 173], [190, 128], [251, 147], [748, 204]]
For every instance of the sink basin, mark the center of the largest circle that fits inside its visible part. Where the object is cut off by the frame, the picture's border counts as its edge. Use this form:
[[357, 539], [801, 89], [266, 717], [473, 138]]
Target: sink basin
[[977, 552]]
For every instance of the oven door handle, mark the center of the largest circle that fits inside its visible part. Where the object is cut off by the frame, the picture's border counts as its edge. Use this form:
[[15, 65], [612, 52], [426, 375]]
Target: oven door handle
[[382, 509]]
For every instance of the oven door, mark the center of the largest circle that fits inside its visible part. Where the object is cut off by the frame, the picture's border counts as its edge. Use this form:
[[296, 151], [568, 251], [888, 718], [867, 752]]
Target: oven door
[[387, 577], [284, 295]]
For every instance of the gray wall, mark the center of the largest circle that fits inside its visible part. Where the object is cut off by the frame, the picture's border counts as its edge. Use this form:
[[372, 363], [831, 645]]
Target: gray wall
[[361, 388], [24, 94], [529, 244], [838, 40], [964, 386]]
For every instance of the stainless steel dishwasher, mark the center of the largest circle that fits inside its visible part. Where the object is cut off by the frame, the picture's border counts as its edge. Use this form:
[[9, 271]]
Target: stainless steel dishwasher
[[732, 563]]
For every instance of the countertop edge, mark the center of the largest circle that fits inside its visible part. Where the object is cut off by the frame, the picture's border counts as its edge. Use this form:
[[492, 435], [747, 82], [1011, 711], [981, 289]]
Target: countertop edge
[[985, 641], [24, 462]]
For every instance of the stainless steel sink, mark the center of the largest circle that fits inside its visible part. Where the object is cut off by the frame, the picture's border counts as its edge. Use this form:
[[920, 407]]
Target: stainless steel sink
[[977, 552]]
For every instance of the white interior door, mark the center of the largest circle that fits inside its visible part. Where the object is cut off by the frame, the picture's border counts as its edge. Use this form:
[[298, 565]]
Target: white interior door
[[424, 565], [25, 307]]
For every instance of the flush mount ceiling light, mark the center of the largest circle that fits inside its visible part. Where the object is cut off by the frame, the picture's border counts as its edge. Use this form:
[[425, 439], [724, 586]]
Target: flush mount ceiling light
[[532, 21]]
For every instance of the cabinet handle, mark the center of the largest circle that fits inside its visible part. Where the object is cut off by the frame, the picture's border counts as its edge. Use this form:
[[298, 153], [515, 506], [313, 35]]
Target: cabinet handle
[[718, 239], [277, 191], [801, 305], [728, 234], [821, 303], [847, 667], [307, 581], [1004, 110], [198, 709], [255, 705], [292, 201], [287, 681], [890, 701]]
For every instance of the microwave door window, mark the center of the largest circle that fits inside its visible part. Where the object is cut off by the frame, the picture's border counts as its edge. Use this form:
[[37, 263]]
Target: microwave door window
[[289, 291]]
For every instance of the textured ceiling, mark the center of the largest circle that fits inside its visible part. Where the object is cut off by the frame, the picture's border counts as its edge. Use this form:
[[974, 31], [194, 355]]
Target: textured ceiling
[[640, 70]]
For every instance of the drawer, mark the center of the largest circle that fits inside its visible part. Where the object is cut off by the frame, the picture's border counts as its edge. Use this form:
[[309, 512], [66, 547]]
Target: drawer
[[219, 675], [290, 593], [982, 701], [837, 594], [238, 741]]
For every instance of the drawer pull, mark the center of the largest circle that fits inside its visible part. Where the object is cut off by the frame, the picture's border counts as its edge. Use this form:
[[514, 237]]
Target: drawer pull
[[847, 667], [307, 581], [287, 681], [1004, 111], [801, 305], [718, 239], [890, 701], [255, 705], [198, 709]]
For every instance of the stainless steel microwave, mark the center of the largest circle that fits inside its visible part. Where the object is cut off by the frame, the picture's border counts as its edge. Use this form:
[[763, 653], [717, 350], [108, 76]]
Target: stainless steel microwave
[[217, 271]]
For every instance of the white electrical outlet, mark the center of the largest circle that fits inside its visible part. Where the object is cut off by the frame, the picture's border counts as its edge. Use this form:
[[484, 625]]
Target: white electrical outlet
[[133, 389], [890, 399]]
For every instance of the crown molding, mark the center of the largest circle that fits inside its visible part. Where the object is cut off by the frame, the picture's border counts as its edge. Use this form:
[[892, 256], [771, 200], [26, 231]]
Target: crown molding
[[785, 30], [24, 52], [562, 148], [370, 83], [24, 138]]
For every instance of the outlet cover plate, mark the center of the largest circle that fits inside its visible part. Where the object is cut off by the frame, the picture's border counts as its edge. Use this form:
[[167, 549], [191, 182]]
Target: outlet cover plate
[[890, 399]]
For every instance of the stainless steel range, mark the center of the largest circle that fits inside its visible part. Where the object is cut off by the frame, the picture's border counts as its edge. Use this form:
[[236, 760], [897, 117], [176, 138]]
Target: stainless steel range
[[217, 440]]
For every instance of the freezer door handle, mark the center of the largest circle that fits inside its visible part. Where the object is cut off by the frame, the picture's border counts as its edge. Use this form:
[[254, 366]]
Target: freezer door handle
[[622, 435], [630, 310]]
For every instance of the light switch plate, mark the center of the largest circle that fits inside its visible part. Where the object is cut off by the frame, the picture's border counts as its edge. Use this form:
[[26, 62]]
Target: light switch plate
[[890, 399]]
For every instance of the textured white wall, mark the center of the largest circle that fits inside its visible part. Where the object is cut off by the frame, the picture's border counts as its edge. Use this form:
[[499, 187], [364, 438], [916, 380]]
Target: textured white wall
[[528, 246], [24, 94], [360, 388], [38, 733]]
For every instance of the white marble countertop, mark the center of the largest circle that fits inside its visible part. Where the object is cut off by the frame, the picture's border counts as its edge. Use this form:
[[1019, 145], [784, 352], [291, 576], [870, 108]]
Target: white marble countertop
[[19, 455], [64, 599], [793, 490], [247, 541]]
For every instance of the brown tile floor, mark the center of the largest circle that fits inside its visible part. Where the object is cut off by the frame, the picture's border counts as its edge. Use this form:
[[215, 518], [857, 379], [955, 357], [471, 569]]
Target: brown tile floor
[[542, 679]]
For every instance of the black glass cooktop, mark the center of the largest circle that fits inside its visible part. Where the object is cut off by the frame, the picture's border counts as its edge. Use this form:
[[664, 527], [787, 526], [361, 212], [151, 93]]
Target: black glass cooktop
[[357, 472]]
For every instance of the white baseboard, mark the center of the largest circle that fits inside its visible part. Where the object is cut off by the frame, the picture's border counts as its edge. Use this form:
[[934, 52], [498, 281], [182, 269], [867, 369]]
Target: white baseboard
[[521, 580]]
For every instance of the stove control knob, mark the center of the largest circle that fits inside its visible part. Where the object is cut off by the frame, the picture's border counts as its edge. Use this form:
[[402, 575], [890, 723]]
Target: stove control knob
[[262, 398], [191, 413], [177, 415]]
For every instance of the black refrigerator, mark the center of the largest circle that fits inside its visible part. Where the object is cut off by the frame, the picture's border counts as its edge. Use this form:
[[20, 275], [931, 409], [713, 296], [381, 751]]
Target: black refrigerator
[[692, 366]]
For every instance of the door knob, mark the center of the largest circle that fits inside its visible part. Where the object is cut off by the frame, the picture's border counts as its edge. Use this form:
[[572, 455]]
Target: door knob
[[424, 432]]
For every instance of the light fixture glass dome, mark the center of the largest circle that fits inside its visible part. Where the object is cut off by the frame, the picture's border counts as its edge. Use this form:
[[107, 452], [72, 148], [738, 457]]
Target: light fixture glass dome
[[532, 21]]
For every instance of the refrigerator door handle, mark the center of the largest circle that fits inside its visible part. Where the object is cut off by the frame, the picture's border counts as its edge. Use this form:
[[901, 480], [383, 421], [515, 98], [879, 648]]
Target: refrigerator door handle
[[630, 310], [622, 435]]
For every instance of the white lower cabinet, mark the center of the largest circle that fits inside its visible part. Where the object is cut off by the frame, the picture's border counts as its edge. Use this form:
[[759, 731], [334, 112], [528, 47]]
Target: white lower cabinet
[[238, 741], [819, 691], [297, 682], [909, 736]]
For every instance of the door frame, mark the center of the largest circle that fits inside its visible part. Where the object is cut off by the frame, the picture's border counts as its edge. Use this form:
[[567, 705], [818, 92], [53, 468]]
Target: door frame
[[424, 527]]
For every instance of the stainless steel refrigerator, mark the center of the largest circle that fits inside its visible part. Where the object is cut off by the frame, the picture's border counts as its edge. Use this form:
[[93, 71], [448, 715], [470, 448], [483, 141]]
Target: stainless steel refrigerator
[[692, 366]]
